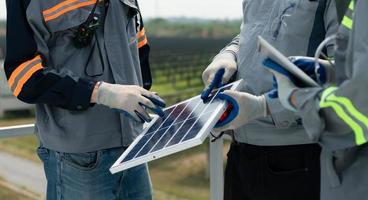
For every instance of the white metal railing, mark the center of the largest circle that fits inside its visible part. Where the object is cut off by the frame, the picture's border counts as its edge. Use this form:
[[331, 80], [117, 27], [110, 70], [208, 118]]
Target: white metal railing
[[216, 157], [16, 131]]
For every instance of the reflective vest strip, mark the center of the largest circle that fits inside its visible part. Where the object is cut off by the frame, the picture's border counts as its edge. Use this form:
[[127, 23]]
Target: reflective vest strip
[[347, 22], [329, 99]]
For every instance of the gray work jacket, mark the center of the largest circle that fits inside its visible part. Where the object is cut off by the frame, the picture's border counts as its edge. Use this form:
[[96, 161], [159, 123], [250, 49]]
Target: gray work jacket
[[295, 27], [337, 116], [114, 53]]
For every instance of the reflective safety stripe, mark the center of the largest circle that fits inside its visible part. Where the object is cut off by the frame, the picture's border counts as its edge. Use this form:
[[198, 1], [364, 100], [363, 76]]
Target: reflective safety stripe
[[143, 42], [329, 99], [58, 6], [65, 7], [23, 73], [358, 131], [141, 33], [25, 78], [21, 68], [351, 5], [347, 22], [142, 38]]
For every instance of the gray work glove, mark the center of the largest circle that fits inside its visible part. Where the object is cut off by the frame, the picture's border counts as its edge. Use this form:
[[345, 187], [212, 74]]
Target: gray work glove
[[130, 100]]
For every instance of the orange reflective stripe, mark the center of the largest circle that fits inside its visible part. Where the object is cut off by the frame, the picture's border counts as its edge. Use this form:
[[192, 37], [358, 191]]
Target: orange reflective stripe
[[71, 8], [25, 78], [58, 6], [19, 69], [143, 42], [141, 33]]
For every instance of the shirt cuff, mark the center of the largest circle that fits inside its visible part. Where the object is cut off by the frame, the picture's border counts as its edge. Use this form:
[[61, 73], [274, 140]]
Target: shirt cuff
[[282, 117], [82, 95]]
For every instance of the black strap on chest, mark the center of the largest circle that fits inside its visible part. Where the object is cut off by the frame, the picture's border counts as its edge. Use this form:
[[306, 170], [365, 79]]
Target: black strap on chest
[[319, 31]]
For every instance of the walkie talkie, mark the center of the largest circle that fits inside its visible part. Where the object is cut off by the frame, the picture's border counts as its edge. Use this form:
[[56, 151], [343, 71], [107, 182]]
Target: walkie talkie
[[86, 31]]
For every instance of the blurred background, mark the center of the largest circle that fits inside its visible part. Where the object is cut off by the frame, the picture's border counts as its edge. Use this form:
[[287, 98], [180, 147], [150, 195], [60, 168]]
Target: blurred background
[[184, 37]]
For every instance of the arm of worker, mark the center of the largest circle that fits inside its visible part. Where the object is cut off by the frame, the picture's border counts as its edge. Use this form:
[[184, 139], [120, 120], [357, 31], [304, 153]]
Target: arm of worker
[[32, 82], [282, 117], [222, 69], [28, 79], [340, 113], [334, 116]]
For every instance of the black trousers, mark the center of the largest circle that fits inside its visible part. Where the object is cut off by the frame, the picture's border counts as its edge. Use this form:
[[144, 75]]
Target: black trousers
[[273, 173]]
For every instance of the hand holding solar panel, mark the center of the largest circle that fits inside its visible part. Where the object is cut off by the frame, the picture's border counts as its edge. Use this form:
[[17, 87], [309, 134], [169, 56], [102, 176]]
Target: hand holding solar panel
[[185, 125]]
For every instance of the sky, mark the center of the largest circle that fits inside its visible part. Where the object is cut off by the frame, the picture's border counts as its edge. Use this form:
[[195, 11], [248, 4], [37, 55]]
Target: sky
[[208, 9]]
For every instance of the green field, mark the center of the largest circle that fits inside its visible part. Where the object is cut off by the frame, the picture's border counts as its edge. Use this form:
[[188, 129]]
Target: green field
[[6, 193]]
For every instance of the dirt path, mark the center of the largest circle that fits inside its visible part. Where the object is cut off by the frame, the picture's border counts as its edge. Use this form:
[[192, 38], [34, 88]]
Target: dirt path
[[22, 173]]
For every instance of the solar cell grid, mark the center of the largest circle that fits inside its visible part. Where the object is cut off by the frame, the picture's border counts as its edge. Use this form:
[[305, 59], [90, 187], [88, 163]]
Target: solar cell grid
[[185, 125], [168, 128]]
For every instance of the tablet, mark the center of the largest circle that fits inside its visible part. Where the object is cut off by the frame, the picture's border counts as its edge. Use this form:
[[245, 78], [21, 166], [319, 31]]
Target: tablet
[[271, 52]]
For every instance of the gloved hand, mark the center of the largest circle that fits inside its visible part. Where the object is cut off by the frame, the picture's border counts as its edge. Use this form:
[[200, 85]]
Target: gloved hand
[[245, 108], [218, 73], [130, 100], [285, 83], [322, 75]]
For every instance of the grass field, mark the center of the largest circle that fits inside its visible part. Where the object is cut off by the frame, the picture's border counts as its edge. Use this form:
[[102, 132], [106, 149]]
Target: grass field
[[8, 194], [181, 176], [178, 177]]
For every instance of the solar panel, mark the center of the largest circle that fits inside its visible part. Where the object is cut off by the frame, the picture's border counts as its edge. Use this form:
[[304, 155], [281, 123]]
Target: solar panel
[[185, 125]]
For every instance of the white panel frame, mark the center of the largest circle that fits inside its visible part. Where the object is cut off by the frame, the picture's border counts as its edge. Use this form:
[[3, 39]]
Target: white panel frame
[[198, 140]]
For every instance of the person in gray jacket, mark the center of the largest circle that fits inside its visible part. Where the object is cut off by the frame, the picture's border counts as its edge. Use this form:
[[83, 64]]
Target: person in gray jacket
[[82, 62], [336, 115], [271, 157]]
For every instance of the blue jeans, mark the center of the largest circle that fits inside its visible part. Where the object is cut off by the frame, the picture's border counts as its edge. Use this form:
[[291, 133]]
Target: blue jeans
[[86, 176]]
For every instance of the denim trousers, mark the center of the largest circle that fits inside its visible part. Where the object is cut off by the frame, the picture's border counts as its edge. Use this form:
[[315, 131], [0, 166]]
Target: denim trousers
[[86, 176]]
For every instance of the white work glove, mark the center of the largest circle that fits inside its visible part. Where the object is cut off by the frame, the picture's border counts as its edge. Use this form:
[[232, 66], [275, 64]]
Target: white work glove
[[285, 89], [285, 85], [130, 100], [245, 107], [225, 61], [218, 73]]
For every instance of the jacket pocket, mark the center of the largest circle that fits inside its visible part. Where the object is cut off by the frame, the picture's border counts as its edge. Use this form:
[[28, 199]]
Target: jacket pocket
[[295, 20], [329, 171], [292, 161], [286, 11]]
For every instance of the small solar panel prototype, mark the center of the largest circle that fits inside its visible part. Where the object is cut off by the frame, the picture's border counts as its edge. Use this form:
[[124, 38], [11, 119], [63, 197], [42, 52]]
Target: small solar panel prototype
[[185, 125]]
